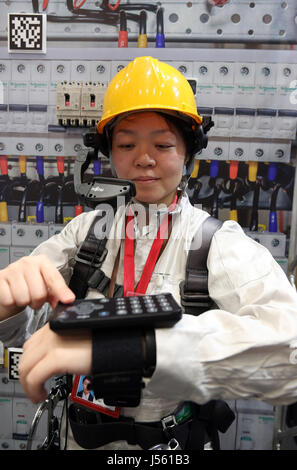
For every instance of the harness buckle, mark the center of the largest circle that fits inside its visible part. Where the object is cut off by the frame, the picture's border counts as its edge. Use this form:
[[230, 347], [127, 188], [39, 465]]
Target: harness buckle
[[168, 422], [194, 302], [173, 444], [83, 258]]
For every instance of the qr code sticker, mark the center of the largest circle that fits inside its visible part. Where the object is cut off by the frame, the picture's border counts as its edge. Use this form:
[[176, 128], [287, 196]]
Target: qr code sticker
[[26, 32], [14, 355]]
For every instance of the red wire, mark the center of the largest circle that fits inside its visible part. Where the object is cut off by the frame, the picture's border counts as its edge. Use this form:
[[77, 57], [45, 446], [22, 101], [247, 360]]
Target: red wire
[[114, 7], [218, 2], [75, 6]]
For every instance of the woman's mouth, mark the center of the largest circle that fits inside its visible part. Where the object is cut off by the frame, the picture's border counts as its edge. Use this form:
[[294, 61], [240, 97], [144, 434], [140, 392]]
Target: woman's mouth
[[145, 179]]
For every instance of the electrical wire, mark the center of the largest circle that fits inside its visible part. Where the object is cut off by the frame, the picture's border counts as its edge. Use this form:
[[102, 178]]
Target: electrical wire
[[123, 34], [132, 6], [160, 38], [113, 7], [142, 37], [76, 7], [86, 16]]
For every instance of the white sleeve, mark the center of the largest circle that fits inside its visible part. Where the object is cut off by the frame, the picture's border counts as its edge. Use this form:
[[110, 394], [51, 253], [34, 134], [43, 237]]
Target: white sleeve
[[248, 348], [17, 329], [61, 249]]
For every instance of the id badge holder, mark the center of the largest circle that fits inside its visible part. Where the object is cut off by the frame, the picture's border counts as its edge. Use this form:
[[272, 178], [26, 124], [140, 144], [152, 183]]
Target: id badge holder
[[85, 397]]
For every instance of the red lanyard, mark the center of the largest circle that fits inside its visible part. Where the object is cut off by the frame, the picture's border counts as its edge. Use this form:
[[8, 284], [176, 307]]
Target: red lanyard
[[129, 267]]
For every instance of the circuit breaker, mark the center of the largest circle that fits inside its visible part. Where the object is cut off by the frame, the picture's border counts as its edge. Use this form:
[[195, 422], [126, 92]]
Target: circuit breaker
[[79, 103]]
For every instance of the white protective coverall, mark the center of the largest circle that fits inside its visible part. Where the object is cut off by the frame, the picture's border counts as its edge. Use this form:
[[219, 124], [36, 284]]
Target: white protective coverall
[[244, 349]]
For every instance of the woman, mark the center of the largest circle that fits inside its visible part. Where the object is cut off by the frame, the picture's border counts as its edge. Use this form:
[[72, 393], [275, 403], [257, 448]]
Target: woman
[[241, 350]]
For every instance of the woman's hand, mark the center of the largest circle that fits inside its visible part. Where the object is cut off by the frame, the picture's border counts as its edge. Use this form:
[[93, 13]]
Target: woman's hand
[[47, 354], [32, 280]]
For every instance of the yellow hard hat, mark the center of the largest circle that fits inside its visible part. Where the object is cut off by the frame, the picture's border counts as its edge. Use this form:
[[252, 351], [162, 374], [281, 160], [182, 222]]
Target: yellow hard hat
[[148, 84]]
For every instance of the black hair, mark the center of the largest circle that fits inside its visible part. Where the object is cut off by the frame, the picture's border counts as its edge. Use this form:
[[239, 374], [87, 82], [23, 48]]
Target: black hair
[[88, 377]]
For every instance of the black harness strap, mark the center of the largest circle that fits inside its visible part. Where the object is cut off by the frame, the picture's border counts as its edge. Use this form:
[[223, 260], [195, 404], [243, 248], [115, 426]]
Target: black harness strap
[[92, 430], [90, 256], [194, 289]]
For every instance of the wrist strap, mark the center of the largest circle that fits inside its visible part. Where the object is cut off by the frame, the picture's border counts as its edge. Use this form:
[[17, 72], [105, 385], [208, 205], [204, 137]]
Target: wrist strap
[[119, 361]]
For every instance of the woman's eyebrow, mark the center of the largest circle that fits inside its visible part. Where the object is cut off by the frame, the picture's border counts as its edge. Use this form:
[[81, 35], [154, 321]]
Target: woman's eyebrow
[[157, 131]]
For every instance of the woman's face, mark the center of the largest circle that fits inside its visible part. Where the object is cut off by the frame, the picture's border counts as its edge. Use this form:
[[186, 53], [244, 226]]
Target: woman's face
[[151, 152]]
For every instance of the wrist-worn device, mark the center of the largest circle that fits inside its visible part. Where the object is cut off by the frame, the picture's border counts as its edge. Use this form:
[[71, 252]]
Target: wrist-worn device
[[124, 349]]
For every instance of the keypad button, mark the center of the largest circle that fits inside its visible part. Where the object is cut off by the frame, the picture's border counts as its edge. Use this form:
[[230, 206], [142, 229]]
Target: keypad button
[[122, 312], [104, 313]]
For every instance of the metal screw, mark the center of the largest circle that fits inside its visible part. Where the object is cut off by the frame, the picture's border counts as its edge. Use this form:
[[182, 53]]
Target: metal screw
[[39, 147], [203, 70], [21, 68], [238, 152], [39, 233], [218, 151], [58, 148], [287, 72], [100, 68], [80, 68], [40, 68], [20, 147], [244, 71], [182, 69], [224, 70], [60, 68], [275, 242], [77, 147], [259, 153], [279, 153], [266, 71]]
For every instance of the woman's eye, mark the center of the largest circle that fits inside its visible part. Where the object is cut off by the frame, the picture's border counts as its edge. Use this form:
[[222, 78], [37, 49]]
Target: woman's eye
[[164, 146], [126, 146]]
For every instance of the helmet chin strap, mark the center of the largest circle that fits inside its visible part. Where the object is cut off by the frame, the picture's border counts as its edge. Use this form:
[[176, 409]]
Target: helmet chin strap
[[114, 173], [187, 171]]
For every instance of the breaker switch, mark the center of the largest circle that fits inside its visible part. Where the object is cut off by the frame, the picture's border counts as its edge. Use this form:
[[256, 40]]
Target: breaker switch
[[67, 99], [92, 101]]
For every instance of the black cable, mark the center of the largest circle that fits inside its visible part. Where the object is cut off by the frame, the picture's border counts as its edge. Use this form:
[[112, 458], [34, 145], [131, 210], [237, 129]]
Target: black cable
[[91, 18], [142, 22], [86, 16], [123, 21], [111, 17], [160, 21], [255, 208]]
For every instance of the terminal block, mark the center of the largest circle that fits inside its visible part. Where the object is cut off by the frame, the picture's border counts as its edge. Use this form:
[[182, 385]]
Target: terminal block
[[79, 104]]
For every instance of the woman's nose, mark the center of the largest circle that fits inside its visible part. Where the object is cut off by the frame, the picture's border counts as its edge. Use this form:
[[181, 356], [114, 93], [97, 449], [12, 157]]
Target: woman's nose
[[144, 159]]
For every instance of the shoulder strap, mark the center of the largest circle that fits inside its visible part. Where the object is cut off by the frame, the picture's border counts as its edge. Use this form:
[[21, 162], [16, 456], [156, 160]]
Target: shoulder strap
[[194, 290], [90, 255]]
